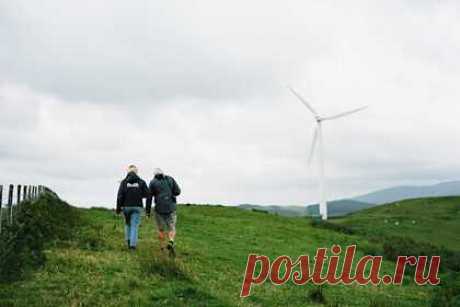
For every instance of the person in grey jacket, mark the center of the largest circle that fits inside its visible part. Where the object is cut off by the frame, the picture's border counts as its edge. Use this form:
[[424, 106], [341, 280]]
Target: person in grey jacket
[[165, 190]]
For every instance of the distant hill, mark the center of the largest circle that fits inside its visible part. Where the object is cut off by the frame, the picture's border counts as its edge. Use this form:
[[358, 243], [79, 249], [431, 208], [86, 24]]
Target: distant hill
[[408, 192], [343, 207], [335, 208], [281, 210]]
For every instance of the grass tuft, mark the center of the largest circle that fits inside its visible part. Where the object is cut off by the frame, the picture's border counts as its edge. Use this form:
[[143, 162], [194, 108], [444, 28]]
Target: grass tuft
[[166, 268]]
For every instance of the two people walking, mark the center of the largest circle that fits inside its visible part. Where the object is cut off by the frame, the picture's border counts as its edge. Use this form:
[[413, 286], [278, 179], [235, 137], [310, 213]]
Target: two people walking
[[164, 190]]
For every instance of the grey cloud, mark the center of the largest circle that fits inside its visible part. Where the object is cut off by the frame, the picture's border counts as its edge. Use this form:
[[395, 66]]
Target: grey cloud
[[199, 90], [121, 58]]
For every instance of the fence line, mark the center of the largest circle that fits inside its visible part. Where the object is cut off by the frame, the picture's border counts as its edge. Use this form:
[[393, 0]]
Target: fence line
[[28, 193]]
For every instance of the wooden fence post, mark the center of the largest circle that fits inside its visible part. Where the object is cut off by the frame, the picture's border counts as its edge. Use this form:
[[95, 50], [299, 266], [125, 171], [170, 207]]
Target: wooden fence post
[[18, 200], [1, 210], [10, 202], [29, 194], [24, 193]]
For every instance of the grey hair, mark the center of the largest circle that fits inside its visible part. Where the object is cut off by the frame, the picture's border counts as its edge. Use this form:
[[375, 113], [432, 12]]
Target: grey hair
[[132, 168], [157, 171]]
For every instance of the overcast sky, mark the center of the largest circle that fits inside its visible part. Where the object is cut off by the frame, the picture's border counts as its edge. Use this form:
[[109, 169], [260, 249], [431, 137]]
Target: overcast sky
[[198, 88]]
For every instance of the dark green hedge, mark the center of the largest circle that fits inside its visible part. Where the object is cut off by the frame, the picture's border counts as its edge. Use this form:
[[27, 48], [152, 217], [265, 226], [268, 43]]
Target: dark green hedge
[[448, 293], [332, 226], [36, 224], [396, 246]]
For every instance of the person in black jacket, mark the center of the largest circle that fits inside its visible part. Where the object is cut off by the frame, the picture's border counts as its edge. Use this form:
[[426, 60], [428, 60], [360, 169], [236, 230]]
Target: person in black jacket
[[165, 190], [129, 201]]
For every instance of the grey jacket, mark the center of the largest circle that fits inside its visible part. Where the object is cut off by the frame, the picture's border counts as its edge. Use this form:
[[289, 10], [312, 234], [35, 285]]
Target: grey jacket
[[165, 190]]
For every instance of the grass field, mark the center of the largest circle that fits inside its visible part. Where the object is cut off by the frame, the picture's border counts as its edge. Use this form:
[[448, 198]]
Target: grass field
[[95, 269], [430, 220]]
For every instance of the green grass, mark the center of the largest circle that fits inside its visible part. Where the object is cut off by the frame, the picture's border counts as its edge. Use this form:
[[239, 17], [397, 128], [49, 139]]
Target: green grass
[[95, 269], [430, 220]]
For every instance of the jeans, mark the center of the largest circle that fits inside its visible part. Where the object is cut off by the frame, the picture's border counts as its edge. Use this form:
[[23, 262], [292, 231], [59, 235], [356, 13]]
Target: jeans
[[133, 215]]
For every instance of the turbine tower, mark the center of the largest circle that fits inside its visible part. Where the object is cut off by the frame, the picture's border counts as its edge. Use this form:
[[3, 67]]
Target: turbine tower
[[318, 138]]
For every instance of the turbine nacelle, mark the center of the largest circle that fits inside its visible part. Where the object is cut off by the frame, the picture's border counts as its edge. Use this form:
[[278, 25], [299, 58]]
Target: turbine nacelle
[[316, 115]]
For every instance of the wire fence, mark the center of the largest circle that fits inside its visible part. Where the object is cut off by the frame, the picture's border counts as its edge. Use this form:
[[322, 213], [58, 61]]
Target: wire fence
[[15, 195]]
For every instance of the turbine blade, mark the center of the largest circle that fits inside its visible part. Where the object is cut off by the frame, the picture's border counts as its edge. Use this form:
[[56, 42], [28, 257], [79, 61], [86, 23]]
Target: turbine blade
[[313, 145], [344, 113], [305, 102]]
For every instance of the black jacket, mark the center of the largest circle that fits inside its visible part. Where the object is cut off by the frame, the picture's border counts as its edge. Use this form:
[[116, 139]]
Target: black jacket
[[131, 192], [165, 189]]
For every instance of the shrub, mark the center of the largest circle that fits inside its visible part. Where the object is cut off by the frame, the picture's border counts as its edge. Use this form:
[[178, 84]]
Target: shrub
[[448, 293], [451, 259], [259, 210], [399, 246], [370, 248], [35, 224], [332, 226]]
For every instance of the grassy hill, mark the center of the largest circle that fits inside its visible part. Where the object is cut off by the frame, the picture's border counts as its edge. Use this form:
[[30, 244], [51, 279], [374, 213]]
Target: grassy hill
[[93, 268], [450, 188], [432, 220], [335, 208]]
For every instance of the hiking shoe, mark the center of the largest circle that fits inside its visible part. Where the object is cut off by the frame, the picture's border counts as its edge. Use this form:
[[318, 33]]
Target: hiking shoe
[[172, 248], [170, 244]]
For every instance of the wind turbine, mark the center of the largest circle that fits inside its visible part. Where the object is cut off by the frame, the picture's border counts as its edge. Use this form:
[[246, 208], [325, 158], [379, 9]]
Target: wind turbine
[[318, 138]]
